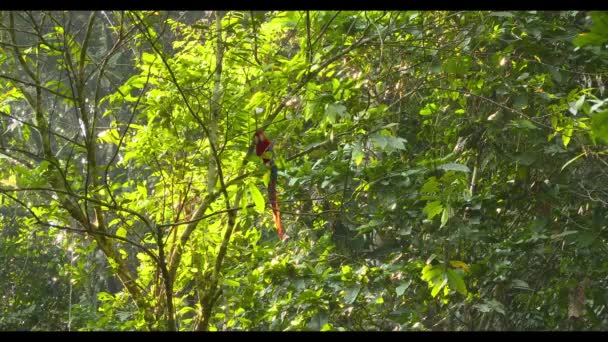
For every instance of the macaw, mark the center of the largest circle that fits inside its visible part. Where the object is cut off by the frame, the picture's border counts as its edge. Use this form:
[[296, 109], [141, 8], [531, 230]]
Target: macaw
[[263, 145]]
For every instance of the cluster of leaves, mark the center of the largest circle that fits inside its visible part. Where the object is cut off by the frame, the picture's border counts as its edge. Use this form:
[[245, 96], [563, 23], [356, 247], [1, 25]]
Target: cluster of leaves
[[438, 170]]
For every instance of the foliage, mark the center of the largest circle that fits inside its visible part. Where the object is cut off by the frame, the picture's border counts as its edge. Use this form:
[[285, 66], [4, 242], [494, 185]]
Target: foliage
[[437, 170]]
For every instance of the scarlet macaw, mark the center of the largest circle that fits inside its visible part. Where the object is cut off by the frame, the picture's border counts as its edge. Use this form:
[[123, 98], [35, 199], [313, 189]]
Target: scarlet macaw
[[263, 145]]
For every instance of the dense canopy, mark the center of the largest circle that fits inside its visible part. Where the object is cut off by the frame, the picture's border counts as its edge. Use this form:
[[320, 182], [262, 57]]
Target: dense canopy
[[434, 170]]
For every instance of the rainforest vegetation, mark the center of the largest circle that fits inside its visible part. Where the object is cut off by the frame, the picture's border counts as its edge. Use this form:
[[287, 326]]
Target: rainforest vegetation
[[437, 170]]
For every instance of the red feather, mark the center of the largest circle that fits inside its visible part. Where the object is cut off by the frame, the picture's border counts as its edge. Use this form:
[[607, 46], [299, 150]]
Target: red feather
[[263, 145]]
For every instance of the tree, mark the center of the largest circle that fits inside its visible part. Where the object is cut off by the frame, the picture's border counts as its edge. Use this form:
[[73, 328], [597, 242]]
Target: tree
[[438, 170]]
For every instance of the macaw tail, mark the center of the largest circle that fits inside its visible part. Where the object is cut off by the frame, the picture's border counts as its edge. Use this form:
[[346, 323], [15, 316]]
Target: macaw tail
[[274, 202]]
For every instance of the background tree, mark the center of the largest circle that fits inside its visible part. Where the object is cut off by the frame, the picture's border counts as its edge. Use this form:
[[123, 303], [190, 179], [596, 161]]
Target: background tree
[[437, 170]]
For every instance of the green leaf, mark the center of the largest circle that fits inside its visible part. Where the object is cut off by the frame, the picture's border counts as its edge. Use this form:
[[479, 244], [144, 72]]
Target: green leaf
[[576, 105], [351, 293], [458, 65], [585, 239], [520, 284], [438, 286], [456, 282], [148, 58], [564, 233], [395, 143], [388, 143], [109, 136], [431, 186], [502, 14], [318, 321], [584, 39], [526, 158], [496, 306], [599, 126], [598, 31], [485, 308], [369, 226], [489, 306], [379, 141], [26, 132], [142, 191], [432, 209], [521, 101], [123, 254], [185, 310], [454, 167], [445, 216], [429, 108], [567, 134], [555, 74], [231, 283], [327, 327], [525, 124], [431, 272], [104, 296], [335, 84], [357, 153], [121, 232], [335, 111], [257, 197], [400, 290], [346, 272]]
